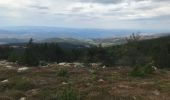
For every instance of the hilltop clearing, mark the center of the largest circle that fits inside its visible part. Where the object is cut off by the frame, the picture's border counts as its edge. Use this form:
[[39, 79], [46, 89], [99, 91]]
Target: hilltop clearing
[[78, 81]]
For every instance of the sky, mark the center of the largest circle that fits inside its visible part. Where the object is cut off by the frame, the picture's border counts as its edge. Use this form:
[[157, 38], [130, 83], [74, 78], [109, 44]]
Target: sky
[[106, 14]]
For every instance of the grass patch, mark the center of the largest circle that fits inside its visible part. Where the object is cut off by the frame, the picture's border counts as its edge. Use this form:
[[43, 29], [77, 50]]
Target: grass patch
[[18, 84], [69, 94], [13, 94]]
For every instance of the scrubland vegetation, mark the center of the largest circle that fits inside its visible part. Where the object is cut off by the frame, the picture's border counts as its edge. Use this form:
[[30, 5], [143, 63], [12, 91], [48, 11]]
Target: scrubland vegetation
[[137, 70]]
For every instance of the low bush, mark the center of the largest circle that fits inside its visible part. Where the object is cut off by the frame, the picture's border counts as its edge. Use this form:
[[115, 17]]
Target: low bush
[[62, 72], [43, 63], [143, 71], [69, 94], [137, 73]]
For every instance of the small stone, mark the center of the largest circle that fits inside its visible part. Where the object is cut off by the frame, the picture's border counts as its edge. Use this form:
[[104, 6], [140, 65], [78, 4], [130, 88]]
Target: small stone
[[88, 84], [104, 67], [124, 86], [156, 92], [155, 68], [22, 98], [32, 92], [101, 80], [64, 83], [134, 97]]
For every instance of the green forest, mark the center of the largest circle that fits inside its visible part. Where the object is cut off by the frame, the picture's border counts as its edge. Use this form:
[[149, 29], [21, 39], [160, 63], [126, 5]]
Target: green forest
[[135, 53]]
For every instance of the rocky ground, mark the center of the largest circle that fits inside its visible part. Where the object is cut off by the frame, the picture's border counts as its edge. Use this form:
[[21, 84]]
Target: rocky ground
[[76, 81]]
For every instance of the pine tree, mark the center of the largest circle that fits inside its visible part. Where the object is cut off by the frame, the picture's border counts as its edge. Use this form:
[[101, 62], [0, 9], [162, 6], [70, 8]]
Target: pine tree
[[30, 58]]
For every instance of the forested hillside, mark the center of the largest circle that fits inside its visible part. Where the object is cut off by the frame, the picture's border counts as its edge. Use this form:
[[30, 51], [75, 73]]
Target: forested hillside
[[135, 52]]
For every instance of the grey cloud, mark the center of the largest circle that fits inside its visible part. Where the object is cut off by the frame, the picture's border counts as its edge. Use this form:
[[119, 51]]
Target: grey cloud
[[39, 7], [103, 1], [144, 8], [77, 9], [77, 16], [153, 0], [161, 0]]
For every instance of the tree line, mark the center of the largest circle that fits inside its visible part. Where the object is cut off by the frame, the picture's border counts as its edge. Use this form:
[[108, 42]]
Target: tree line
[[135, 52]]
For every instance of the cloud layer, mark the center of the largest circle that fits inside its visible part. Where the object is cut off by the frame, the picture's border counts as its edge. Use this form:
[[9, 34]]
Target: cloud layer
[[139, 14]]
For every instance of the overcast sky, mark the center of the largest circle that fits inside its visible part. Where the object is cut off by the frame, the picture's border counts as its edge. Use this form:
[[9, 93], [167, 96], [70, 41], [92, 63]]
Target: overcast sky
[[114, 14]]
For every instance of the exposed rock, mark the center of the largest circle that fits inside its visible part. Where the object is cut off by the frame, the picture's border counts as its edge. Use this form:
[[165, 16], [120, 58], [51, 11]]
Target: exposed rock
[[22, 98], [62, 64], [3, 62], [154, 68], [32, 92], [68, 64], [104, 67], [8, 66], [77, 64], [88, 84], [134, 97], [64, 83], [101, 80], [124, 86], [5, 81], [156, 92], [95, 64], [22, 69]]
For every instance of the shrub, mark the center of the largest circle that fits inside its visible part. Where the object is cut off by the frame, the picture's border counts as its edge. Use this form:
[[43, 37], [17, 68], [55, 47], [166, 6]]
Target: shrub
[[13, 57], [69, 94], [62, 72], [29, 57], [136, 72], [43, 63], [143, 71]]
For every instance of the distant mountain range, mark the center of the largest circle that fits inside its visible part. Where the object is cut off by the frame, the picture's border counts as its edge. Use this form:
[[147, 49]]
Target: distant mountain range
[[40, 32], [22, 34]]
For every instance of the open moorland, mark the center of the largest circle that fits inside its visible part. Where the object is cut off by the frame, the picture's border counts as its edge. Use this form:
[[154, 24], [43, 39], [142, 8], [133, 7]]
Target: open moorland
[[77, 81]]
